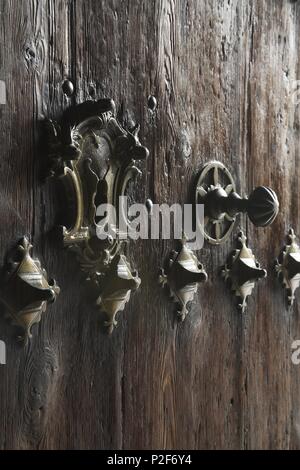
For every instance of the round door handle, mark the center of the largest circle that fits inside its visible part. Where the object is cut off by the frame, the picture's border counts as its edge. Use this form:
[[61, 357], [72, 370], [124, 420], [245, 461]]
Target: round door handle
[[261, 206], [216, 190]]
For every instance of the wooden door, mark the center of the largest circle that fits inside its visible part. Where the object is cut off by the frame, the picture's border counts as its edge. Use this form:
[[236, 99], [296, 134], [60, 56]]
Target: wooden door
[[222, 74]]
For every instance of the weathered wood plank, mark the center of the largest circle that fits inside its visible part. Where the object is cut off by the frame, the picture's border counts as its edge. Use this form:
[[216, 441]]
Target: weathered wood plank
[[221, 72]]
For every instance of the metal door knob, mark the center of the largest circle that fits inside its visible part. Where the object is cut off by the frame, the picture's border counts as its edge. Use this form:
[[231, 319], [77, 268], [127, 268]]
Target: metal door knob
[[216, 190], [261, 206]]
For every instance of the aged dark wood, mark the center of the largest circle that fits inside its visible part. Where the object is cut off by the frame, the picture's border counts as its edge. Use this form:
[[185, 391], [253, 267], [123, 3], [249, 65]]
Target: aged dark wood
[[221, 73]]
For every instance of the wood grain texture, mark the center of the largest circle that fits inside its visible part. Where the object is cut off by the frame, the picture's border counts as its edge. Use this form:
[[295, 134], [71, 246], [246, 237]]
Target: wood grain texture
[[221, 71]]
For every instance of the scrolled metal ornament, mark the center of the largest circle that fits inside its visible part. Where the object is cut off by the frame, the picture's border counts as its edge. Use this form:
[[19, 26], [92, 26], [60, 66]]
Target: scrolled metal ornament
[[94, 157]]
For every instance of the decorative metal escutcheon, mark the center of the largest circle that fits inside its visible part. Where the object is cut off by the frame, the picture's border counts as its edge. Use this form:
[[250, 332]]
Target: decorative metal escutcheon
[[26, 290], [94, 157], [287, 267], [242, 271], [217, 191], [182, 275]]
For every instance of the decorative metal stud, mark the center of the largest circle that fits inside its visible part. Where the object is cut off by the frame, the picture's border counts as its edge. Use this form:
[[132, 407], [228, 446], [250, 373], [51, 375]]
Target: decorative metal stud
[[26, 290], [287, 267], [182, 276], [152, 103], [114, 289], [216, 190], [242, 271], [68, 88]]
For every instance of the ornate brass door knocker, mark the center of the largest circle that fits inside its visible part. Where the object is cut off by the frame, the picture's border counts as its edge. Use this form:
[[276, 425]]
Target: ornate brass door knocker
[[94, 157], [288, 267], [216, 190], [182, 275], [242, 271], [26, 290]]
